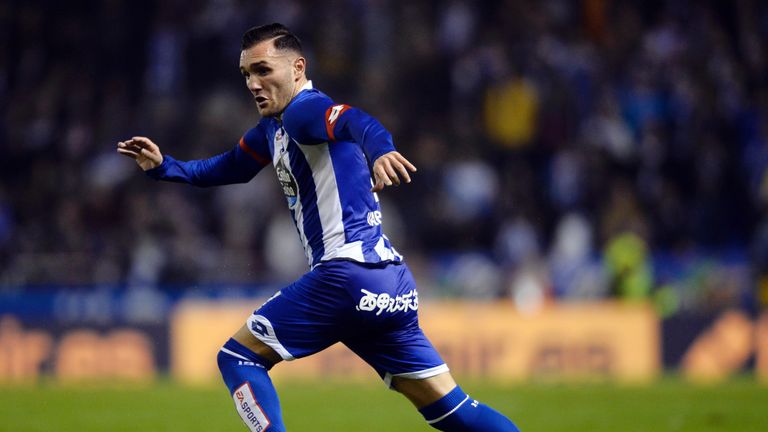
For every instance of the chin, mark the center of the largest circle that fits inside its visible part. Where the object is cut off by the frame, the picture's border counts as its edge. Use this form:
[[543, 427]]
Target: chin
[[267, 112]]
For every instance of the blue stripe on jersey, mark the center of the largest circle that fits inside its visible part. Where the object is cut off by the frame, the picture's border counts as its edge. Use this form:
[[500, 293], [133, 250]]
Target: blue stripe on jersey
[[313, 230], [368, 248], [354, 183]]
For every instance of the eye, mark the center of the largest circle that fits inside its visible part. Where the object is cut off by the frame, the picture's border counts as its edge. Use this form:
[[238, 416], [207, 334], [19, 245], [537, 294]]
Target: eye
[[244, 74], [263, 71]]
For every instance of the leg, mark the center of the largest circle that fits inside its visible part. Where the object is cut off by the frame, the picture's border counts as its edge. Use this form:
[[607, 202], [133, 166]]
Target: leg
[[244, 362], [390, 340], [447, 408], [423, 392], [297, 321]]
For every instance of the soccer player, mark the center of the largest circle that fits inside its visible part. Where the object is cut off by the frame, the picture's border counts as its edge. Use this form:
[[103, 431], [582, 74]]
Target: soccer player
[[330, 161]]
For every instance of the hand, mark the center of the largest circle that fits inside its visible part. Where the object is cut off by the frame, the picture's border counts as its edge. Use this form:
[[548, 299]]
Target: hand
[[146, 153], [388, 169]]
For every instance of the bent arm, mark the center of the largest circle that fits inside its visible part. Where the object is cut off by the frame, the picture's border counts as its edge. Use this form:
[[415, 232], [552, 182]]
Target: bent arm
[[353, 124], [319, 120]]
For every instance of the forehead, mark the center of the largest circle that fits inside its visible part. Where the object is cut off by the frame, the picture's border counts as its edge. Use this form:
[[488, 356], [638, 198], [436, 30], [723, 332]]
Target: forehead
[[263, 51]]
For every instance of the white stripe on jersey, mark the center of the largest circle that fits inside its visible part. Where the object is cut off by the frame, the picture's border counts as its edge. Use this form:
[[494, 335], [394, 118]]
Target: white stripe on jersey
[[352, 250], [328, 202], [384, 252]]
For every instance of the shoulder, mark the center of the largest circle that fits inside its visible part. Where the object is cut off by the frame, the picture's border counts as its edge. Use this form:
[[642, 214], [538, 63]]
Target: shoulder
[[256, 133], [254, 142], [306, 105], [304, 118]]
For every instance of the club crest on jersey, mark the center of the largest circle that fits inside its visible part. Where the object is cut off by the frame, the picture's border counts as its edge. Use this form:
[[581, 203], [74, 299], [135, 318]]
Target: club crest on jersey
[[287, 181], [281, 138]]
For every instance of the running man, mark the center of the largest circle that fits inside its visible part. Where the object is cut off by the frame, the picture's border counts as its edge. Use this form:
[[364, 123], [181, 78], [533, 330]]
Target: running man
[[330, 161]]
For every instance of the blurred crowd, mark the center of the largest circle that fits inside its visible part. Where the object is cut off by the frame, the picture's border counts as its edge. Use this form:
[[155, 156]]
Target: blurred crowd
[[566, 149]]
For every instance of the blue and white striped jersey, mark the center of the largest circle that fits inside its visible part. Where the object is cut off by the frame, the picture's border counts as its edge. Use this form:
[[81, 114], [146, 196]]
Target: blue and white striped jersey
[[322, 153]]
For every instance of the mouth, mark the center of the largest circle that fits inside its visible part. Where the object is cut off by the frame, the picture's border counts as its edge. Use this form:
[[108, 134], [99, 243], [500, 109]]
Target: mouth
[[261, 101]]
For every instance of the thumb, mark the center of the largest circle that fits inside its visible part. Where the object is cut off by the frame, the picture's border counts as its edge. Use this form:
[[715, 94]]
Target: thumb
[[379, 184]]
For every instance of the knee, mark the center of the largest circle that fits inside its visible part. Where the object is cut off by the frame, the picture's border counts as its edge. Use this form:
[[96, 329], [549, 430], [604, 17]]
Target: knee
[[222, 358], [233, 351]]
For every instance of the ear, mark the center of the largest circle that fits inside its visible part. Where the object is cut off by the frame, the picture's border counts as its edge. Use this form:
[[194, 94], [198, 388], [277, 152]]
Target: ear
[[299, 67]]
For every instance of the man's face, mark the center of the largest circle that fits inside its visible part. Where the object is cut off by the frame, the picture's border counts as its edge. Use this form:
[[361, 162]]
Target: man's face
[[272, 76]]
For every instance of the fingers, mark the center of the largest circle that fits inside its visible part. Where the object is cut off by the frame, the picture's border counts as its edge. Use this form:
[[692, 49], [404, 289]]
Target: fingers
[[389, 169], [129, 153], [145, 143], [391, 175], [138, 143], [142, 150], [128, 150], [381, 177], [405, 161], [403, 171]]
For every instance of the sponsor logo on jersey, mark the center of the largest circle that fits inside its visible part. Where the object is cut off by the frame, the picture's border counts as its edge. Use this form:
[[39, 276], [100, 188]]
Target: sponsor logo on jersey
[[384, 302], [287, 182], [250, 411]]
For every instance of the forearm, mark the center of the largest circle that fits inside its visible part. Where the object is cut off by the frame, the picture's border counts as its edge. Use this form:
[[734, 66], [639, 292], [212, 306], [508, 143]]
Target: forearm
[[219, 170]]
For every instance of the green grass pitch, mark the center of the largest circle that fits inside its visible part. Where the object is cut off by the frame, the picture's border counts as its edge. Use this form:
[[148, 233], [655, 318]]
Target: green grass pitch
[[670, 405]]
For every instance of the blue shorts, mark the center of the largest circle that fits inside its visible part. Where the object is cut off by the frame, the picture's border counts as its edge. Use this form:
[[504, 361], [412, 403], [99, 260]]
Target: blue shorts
[[370, 308]]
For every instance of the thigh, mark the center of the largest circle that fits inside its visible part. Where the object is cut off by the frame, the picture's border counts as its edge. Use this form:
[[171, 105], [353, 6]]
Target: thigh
[[388, 336], [404, 353], [303, 318]]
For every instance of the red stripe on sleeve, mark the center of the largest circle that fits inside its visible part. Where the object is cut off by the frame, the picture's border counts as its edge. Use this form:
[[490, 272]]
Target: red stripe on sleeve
[[259, 158], [331, 115]]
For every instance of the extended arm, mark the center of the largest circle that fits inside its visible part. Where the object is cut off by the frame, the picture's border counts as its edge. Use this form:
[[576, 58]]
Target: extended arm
[[238, 165], [218, 170]]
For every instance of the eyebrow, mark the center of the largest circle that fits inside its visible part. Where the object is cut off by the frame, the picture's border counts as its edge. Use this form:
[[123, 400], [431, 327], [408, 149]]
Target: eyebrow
[[256, 64]]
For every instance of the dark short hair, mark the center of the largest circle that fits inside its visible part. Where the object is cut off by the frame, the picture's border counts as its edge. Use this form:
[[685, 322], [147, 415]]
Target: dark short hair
[[284, 39]]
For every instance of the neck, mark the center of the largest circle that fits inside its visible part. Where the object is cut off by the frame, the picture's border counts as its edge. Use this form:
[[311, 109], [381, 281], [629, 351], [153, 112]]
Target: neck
[[296, 89], [298, 85]]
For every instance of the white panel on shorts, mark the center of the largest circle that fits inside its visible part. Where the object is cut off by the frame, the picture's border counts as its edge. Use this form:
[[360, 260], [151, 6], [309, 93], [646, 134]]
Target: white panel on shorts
[[270, 339], [426, 373]]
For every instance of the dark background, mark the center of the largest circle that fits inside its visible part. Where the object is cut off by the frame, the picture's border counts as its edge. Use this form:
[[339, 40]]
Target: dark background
[[566, 149]]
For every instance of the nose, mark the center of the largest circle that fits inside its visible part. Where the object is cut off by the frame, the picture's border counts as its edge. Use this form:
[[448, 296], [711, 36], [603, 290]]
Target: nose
[[253, 84]]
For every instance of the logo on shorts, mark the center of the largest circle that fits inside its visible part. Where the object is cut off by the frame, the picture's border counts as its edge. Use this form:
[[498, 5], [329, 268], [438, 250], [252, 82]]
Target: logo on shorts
[[249, 410], [384, 302]]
